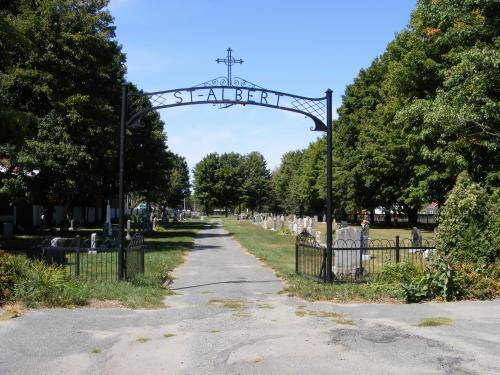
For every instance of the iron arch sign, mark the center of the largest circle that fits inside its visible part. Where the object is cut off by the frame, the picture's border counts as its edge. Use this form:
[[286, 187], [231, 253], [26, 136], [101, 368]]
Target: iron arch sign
[[225, 92]]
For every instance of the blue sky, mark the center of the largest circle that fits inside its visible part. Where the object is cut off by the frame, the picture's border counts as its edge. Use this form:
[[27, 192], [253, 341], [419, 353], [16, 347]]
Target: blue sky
[[299, 47]]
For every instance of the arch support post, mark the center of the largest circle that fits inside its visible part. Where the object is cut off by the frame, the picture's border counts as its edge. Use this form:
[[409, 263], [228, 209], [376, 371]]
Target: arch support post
[[329, 198], [121, 207]]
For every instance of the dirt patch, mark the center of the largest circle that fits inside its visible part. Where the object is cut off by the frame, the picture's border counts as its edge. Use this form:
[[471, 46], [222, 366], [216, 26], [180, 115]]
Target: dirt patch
[[104, 304]]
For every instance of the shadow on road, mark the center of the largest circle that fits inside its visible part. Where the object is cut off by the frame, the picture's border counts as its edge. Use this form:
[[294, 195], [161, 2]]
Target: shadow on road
[[229, 282]]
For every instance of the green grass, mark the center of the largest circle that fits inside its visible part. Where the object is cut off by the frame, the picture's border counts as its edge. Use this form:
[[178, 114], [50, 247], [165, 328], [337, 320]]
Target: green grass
[[42, 285], [168, 335], [142, 340], [165, 250], [435, 322], [278, 252], [382, 233]]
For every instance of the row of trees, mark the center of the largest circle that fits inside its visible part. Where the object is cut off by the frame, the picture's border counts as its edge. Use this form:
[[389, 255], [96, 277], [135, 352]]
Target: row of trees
[[232, 180], [425, 110], [61, 69]]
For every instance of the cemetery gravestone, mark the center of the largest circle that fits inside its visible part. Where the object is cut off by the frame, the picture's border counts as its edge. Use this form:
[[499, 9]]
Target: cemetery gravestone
[[93, 242], [318, 236], [347, 258], [128, 236]]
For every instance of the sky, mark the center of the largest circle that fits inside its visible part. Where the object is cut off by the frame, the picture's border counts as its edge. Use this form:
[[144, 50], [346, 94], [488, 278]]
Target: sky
[[293, 46]]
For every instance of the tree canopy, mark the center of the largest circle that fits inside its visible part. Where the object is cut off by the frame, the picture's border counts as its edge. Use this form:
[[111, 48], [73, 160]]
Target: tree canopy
[[61, 70]]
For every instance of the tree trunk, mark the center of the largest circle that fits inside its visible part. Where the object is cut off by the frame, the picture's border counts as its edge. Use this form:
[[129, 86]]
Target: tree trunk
[[412, 217]]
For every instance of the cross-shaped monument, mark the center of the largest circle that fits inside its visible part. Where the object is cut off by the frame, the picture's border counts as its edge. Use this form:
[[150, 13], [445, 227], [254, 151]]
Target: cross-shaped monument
[[229, 61]]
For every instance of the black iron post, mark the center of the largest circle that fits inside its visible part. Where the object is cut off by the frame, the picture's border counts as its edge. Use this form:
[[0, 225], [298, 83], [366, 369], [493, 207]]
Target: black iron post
[[121, 208], [328, 273]]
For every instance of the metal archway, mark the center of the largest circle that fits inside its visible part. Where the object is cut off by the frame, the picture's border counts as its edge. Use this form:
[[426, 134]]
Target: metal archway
[[225, 92]]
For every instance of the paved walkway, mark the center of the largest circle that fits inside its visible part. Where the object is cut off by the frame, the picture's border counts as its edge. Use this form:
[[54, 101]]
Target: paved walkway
[[228, 318]]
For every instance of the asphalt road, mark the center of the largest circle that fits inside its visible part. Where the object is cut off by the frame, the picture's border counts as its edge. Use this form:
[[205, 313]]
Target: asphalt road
[[229, 318]]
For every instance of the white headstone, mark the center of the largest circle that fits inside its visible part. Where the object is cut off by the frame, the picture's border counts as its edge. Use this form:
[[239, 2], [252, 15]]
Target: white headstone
[[71, 224], [347, 261], [128, 236], [318, 236], [108, 220]]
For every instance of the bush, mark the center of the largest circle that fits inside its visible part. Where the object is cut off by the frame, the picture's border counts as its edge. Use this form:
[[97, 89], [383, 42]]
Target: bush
[[449, 280], [398, 273], [440, 280], [479, 282], [7, 280], [34, 283], [469, 223]]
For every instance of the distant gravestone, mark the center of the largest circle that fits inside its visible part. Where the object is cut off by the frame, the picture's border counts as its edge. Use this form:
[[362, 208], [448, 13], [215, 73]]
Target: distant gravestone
[[347, 257], [71, 225], [324, 218], [365, 233], [416, 237], [93, 243], [7, 231], [128, 236], [318, 236], [295, 228], [274, 224]]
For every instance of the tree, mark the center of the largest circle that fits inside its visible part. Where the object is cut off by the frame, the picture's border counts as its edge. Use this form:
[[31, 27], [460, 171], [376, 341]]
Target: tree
[[257, 181], [205, 181], [66, 83], [230, 177], [178, 186], [286, 182]]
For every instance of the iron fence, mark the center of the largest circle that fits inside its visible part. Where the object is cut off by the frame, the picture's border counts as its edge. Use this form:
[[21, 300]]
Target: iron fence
[[92, 263], [357, 260], [310, 257]]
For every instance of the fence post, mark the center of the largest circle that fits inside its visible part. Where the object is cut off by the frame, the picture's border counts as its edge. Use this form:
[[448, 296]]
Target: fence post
[[296, 255], [142, 258], [361, 251], [397, 249], [77, 268]]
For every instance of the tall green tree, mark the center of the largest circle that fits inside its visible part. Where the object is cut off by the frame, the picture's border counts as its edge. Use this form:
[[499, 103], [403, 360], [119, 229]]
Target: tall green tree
[[257, 181], [205, 182]]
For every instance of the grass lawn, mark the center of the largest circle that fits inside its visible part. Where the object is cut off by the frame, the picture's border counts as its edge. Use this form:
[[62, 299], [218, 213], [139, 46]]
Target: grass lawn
[[278, 252], [165, 250], [383, 233]]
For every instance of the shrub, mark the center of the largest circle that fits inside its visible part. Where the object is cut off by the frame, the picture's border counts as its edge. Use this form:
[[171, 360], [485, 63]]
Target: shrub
[[6, 277], [34, 283], [398, 273], [480, 282], [469, 223], [441, 280]]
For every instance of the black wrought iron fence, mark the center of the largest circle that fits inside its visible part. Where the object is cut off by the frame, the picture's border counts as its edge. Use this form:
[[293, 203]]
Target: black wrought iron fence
[[310, 257], [357, 260], [92, 262]]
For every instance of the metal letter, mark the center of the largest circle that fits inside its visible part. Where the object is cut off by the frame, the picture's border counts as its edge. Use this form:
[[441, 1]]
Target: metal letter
[[278, 101], [263, 97], [211, 93], [237, 95], [249, 96], [177, 96]]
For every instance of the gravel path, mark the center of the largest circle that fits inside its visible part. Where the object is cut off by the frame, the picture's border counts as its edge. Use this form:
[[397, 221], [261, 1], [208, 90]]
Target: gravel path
[[229, 318]]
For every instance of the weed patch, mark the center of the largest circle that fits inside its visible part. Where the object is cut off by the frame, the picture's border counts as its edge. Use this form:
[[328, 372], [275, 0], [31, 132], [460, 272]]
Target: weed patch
[[228, 303], [435, 322]]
